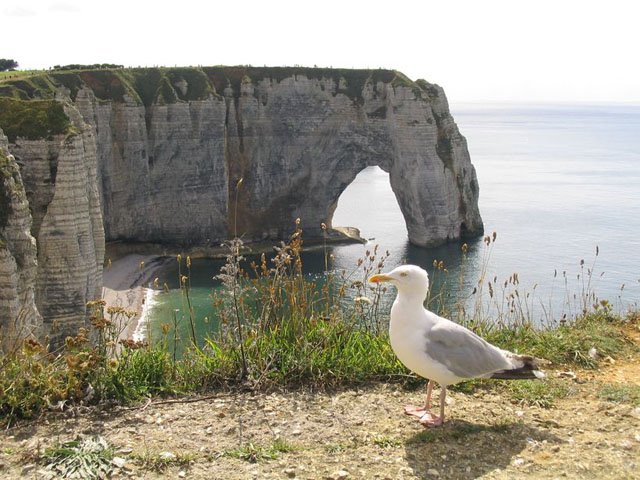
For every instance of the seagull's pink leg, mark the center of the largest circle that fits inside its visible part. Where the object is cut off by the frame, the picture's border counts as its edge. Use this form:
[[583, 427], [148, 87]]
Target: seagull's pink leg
[[421, 411], [430, 420]]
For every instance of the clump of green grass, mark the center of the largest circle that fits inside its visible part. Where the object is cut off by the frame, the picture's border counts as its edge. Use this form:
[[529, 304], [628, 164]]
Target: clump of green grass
[[384, 441], [567, 343], [537, 393], [257, 453], [88, 458], [34, 119], [160, 461], [620, 393]]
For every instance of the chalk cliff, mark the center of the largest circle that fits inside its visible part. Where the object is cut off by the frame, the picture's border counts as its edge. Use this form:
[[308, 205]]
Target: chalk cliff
[[155, 155], [59, 173], [173, 143], [19, 316]]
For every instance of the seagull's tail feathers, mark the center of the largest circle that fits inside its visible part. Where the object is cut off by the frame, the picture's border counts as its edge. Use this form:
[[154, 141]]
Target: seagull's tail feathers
[[525, 368]]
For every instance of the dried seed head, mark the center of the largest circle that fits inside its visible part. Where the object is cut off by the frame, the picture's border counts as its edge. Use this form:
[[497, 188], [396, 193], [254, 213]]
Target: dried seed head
[[297, 221], [362, 300], [465, 248], [188, 261], [323, 226]]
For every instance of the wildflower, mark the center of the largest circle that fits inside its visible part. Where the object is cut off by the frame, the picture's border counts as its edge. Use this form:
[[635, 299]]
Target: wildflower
[[188, 261]]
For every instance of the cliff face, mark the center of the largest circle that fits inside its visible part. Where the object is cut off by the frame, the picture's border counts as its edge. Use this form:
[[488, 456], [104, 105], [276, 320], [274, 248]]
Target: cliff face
[[60, 178], [162, 169], [19, 316], [173, 143], [156, 155]]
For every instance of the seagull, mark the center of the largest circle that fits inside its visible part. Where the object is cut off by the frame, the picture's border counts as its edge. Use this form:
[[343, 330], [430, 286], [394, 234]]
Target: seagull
[[440, 350]]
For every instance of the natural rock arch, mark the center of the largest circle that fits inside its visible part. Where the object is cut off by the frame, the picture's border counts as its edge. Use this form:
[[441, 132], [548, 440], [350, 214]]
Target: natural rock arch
[[304, 167]]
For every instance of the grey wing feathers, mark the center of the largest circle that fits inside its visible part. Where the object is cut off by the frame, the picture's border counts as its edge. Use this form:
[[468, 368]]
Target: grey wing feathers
[[463, 352]]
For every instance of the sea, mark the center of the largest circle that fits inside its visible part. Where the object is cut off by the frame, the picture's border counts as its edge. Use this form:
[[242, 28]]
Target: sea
[[560, 201]]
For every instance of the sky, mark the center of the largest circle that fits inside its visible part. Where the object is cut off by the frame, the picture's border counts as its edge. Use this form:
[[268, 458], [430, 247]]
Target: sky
[[477, 50]]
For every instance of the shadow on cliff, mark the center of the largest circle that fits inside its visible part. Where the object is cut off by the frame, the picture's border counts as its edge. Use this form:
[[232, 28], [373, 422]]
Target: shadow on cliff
[[468, 450]]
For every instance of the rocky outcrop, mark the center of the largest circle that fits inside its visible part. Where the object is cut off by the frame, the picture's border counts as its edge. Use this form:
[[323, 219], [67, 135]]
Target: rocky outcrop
[[173, 144], [19, 316], [162, 169], [299, 143], [60, 179]]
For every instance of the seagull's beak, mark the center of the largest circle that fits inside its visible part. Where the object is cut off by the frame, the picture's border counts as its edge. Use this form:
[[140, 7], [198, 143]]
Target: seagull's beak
[[381, 277]]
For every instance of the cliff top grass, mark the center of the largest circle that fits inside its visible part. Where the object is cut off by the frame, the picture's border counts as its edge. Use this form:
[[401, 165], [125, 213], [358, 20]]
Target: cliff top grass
[[33, 119], [166, 85]]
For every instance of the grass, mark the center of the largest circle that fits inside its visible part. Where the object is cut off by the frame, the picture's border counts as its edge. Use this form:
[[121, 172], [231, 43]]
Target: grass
[[161, 85], [384, 441], [33, 119], [88, 458], [279, 330], [537, 393], [257, 453], [14, 74], [160, 461], [620, 393]]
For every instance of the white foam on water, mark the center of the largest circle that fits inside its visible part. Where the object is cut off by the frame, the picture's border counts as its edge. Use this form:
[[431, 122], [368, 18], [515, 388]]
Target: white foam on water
[[149, 301]]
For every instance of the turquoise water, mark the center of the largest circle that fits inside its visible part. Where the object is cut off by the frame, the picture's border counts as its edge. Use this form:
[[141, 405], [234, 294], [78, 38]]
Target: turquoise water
[[556, 183]]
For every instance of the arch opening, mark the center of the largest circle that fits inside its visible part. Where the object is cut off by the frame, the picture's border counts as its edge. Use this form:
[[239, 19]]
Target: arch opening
[[369, 204]]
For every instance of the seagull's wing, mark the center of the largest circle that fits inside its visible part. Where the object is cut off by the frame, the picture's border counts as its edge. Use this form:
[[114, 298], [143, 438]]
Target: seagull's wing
[[463, 352]]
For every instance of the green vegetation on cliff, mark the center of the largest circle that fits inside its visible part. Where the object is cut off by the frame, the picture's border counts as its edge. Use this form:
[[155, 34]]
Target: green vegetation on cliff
[[32, 119], [280, 330], [165, 85]]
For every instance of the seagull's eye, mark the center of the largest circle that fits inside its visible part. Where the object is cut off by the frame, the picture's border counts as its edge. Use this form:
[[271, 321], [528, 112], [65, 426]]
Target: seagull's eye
[[403, 274]]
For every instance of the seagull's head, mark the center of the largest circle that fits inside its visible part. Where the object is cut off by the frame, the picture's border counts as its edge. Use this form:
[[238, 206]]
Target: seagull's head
[[409, 279]]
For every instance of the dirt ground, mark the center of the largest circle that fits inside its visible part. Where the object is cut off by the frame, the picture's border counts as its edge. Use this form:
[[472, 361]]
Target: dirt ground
[[359, 434]]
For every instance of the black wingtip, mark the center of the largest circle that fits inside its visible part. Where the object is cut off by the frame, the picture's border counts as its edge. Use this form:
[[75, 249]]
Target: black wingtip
[[528, 371], [523, 373]]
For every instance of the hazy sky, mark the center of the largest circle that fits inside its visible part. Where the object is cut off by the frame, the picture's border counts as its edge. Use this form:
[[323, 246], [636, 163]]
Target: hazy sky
[[478, 50]]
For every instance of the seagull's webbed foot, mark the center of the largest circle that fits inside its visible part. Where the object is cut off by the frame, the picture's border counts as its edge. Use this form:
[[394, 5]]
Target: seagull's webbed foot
[[416, 411], [429, 420]]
